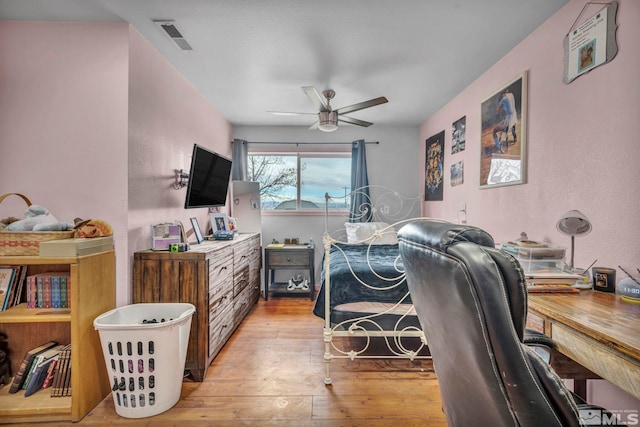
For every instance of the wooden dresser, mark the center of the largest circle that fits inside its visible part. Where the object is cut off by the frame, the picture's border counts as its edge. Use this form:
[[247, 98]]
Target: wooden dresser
[[220, 278]]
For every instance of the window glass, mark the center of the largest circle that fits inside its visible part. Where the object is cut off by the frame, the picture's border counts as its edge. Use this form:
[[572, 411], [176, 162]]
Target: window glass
[[299, 181]]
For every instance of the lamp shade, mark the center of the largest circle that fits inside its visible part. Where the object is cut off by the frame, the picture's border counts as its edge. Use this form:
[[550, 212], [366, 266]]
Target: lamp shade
[[574, 223], [328, 121]]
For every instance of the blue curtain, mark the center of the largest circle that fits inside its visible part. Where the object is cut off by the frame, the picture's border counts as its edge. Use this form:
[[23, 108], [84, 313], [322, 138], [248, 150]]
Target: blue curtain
[[360, 210], [240, 160]]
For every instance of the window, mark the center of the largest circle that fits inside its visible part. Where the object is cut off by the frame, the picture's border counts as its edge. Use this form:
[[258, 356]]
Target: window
[[299, 181]]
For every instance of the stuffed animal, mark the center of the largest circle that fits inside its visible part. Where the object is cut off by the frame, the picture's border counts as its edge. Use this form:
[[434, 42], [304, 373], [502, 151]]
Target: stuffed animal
[[6, 221], [38, 218], [92, 228]]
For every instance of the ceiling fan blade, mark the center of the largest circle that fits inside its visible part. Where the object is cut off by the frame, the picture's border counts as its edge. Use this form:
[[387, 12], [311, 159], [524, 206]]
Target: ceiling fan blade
[[314, 126], [316, 98], [362, 105], [354, 121], [288, 113]]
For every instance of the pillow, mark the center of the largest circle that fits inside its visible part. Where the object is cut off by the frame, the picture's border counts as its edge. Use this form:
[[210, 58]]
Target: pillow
[[360, 231]]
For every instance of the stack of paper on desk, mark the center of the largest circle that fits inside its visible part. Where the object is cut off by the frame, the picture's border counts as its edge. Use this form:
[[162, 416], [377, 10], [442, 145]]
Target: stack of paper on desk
[[554, 281]]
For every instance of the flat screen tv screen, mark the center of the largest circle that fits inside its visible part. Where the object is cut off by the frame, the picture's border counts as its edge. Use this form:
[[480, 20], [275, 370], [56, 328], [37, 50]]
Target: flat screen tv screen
[[208, 179]]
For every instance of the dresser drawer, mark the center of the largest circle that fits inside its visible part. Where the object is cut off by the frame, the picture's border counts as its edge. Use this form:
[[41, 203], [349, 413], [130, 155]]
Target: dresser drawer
[[241, 253], [220, 266], [220, 300], [220, 328], [241, 306], [284, 258]]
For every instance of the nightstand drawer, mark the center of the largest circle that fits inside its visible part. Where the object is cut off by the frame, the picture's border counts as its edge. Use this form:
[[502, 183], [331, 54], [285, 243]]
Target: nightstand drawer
[[284, 258]]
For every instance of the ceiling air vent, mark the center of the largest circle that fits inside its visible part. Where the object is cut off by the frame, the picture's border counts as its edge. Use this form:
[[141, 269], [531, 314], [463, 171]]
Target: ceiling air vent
[[169, 28]]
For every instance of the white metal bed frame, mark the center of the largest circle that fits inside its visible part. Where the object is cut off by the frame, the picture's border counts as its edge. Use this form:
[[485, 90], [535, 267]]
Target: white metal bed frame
[[389, 206]]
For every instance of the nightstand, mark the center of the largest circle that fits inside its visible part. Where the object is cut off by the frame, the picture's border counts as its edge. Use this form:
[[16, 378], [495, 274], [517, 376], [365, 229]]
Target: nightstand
[[288, 257]]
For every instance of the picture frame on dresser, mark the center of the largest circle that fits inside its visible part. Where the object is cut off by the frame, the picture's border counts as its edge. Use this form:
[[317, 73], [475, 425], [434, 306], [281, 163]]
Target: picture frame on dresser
[[196, 230], [219, 222]]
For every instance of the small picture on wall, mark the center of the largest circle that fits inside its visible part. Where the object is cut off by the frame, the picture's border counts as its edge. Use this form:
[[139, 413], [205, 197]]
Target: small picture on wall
[[458, 135], [457, 173], [434, 168]]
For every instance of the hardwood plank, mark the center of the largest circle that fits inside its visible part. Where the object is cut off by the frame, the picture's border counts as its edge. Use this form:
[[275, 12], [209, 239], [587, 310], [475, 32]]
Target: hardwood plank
[[271, 373]]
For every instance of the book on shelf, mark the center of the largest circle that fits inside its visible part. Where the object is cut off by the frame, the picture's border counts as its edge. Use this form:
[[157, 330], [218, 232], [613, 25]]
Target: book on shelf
[[66, 388], [27, 360], [48, 290], [60, 376], [7, 274], [40, 368], [48, 380], [37, 360], [55, 292], [17, 296]]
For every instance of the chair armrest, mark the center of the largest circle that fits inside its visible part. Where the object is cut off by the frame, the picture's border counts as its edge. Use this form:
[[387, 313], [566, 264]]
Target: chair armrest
[[539, 342], [533, 337]]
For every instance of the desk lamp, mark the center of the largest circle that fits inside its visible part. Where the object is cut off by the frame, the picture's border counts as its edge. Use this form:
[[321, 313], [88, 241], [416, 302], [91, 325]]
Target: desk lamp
[[573, 223]]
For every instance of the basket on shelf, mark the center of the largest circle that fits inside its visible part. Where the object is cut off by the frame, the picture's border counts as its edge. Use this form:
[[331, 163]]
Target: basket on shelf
[[27, 242]]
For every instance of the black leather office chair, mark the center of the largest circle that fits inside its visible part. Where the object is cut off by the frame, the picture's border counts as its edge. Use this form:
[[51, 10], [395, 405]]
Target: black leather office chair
[[472, 303]]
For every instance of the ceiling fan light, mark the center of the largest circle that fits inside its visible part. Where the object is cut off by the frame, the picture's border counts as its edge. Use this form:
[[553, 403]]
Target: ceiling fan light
[[328, 121]]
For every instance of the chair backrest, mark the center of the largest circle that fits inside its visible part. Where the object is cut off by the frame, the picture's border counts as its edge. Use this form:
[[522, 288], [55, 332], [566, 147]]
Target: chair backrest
[[471, 301]]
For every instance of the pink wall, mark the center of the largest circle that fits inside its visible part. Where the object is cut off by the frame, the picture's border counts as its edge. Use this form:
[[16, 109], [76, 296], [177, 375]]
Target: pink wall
[[93, 122], [166, 117], [583, 147], [63, 121]]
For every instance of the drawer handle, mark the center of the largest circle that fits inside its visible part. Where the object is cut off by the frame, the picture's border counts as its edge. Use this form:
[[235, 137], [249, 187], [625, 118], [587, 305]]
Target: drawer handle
[[288, 259]]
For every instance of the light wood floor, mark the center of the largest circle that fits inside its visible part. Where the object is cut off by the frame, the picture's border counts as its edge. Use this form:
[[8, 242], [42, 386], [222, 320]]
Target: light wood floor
[[271, 373]]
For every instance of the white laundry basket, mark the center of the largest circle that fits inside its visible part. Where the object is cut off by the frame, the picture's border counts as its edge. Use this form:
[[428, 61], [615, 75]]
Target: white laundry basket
[[145, 347]]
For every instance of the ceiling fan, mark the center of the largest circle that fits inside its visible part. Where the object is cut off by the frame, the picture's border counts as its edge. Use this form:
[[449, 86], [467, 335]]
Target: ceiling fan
[[327, 117]]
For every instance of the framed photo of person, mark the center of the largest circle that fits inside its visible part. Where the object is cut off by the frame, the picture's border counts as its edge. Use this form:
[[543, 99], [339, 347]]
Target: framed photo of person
[[219, 222], [503, 137], [196, 230]]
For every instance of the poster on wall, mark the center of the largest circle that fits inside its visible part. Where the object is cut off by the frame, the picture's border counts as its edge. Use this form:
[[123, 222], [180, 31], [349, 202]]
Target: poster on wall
[[503, 136], [458, 135], [457, 173], [592, 43], [434, 168]]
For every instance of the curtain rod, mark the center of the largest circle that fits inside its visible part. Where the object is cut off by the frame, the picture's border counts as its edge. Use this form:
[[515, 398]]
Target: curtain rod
[[307, 143]]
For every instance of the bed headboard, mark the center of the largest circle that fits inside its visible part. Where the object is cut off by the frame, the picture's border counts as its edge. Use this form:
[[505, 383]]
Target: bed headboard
[[384, 204]]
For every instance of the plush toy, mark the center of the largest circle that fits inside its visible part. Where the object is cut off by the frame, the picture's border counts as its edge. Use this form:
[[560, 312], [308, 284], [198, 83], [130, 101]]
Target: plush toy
[[38, 218], [92, 228], [6, 221]]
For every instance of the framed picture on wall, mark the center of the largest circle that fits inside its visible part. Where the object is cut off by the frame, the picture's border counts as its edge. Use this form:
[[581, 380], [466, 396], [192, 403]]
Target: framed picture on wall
[[503, 136], [457, 173], [458, 135], [434, 167]]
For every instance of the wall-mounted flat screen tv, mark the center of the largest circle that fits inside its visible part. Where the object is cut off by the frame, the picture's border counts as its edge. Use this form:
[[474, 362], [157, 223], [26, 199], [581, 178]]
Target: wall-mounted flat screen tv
[[208, 179]]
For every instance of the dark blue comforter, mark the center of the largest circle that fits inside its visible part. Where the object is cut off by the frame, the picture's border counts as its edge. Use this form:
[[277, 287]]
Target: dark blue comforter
[[385, 261]]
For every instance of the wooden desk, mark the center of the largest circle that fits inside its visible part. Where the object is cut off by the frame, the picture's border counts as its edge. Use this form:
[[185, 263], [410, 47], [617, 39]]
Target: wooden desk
[[598, 330]]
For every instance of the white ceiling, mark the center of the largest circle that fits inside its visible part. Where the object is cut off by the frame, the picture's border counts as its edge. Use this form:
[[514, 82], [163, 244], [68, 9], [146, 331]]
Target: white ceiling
[[251, 56]]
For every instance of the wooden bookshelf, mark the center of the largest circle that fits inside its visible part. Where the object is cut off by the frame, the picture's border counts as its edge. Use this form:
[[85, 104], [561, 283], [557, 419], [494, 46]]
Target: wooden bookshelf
[[92, 293]]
